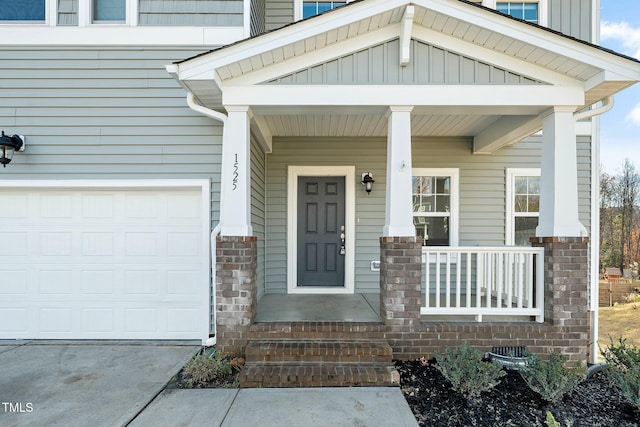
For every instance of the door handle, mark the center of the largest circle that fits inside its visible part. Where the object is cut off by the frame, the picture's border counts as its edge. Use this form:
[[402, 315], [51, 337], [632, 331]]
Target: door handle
[[342, 236]]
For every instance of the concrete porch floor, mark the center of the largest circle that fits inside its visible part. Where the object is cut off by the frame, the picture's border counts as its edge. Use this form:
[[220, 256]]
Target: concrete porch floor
[[291, 308]]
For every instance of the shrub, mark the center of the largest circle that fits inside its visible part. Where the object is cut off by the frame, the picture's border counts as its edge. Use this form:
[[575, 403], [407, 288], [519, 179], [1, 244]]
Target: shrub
[[468, 374], [204, 369], [551, 379], [624, 369]]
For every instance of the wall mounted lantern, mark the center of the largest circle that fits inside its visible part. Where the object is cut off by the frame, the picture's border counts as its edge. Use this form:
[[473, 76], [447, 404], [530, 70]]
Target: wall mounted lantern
[[9, 145], [367, 181]]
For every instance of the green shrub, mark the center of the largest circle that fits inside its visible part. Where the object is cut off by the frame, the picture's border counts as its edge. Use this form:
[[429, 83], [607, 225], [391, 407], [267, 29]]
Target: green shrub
[[624, 369], [204, 369], [468, 374], [551, 379]]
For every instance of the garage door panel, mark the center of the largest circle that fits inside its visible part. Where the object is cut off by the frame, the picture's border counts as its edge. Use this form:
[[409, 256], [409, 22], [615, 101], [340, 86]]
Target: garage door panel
[[103, 264]]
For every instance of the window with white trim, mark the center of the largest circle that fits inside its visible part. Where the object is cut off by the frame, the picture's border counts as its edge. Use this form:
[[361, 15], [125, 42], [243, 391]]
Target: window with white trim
[[23, 11], [435, 206], [523, 205], [313, 8], [534, 11]]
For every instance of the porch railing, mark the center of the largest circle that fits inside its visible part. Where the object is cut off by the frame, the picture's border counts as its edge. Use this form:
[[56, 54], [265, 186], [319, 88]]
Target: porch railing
[[478, 281]]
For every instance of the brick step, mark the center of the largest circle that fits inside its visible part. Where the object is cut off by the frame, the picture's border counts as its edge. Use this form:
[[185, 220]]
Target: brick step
[[338, 351], [317, 330], [318, 375]]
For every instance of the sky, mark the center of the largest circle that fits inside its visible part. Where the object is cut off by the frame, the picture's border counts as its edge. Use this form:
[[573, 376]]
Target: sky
[[620, 127]]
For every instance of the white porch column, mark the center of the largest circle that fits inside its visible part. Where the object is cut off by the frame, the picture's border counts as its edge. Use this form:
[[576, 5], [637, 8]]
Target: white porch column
[[235, 187], [559, 177], [398, 221]]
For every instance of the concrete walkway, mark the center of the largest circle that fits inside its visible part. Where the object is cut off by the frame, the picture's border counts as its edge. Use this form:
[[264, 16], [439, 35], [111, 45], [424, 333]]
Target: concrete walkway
[[123, 384]]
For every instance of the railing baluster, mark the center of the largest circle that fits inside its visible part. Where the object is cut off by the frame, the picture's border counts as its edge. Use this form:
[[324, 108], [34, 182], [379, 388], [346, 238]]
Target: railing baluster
[[506, 274]]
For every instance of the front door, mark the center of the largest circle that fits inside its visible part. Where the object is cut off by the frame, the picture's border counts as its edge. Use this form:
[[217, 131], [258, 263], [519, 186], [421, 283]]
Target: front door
[[321, 231]]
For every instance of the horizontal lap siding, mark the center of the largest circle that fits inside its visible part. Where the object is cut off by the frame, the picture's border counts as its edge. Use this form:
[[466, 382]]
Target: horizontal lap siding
[[482, 191], [278, 13], [207, 13], [258, 208], [104, 114]]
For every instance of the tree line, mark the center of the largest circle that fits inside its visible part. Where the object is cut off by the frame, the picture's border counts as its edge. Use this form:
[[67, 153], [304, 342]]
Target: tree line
[[620, 218]]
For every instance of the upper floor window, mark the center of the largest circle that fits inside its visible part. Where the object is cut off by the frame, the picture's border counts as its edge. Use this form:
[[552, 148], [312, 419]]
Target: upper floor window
[[523, 10], [313, 8], [523, 205], [22, 10], [534, 11], [109, 11], [435, 206]]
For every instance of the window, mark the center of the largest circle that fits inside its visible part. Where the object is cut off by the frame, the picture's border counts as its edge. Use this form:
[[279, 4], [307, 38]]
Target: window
[[435, 206], [109, 10], [523, 205], [22, 10], [522, 10], [313, 8], [534, 11]]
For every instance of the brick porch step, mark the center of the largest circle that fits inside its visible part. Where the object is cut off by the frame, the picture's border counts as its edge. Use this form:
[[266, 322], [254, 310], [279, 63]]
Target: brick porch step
[[340, 351], [317, 330], [303, 374]]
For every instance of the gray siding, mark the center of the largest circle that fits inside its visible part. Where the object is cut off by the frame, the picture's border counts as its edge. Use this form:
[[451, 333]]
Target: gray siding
[[205, 13], [572, 17], [258, 206], [257, 17], [482, 192], [278, 13], [379, 65], [67, 12]]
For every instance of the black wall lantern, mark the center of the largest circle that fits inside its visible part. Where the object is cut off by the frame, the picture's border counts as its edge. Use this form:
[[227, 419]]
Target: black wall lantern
[[8, 146], [367, 181]]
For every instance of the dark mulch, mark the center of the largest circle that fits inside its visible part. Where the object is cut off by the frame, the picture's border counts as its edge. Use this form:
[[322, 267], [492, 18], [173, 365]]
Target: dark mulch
[[511, 403]]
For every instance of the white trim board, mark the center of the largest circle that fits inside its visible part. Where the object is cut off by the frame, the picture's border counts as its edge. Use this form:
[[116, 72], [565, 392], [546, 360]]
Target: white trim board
[[349, 173]]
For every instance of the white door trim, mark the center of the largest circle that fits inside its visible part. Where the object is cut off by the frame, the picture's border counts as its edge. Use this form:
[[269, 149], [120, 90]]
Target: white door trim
[[349, 173], [204, 185]]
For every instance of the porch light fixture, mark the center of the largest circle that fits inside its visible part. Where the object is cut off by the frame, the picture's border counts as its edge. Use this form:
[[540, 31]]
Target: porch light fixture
[[367, 181], [8, 146]]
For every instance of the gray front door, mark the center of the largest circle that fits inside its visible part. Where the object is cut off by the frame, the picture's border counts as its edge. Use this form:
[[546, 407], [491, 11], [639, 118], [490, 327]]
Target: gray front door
[[320, 225]]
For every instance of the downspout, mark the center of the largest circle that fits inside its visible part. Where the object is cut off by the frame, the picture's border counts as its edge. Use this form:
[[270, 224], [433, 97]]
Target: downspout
[[607, 104], [216, 230]]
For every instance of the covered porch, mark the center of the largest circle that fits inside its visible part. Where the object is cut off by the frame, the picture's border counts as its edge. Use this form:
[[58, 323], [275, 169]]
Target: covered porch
[[399, 90]]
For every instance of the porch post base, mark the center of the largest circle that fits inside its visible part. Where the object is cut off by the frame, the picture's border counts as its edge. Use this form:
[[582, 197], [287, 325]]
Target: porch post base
[[400, 281], [236, 291], [566, 297]]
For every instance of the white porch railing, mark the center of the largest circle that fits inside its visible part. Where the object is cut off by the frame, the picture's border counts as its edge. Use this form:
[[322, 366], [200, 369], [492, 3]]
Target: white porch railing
[[477, 281]]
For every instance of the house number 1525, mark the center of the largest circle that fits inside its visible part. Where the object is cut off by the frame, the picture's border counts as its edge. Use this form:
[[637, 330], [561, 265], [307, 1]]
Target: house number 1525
[[235, 173]]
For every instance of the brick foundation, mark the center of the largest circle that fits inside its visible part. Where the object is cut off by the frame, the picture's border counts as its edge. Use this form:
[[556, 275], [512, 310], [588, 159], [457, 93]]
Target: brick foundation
[[236, 292]]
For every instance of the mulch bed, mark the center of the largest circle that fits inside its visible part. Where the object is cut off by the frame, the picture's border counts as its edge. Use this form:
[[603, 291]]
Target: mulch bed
[[593, 402]]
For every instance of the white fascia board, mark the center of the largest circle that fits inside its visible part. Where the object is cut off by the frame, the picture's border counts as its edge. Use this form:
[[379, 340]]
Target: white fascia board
[[289, 35], [491, 56], [117, 35], [436, 95], [607, 76], [315, 57]]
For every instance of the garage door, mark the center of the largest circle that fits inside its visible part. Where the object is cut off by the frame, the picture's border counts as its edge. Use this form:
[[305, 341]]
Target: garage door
[[104, 264]]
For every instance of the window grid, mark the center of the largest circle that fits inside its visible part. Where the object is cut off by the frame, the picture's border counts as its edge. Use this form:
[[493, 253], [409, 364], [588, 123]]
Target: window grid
[[523, 10], [523, 204], [313, 8]]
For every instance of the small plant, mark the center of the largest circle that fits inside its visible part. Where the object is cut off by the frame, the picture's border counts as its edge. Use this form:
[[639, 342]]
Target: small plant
[[466, 371], [551, 379], [204, 369], [551, 421], [624, 369]]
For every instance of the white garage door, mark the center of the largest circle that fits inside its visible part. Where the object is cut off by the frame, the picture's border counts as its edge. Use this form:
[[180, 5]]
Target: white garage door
[[103, 264]]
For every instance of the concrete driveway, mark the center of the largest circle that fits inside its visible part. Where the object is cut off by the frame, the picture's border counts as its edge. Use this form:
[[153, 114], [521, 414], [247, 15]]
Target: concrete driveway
[[84, 383]]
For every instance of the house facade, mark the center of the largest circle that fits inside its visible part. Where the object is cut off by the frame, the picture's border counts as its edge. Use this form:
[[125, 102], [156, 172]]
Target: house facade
[[185, 159]]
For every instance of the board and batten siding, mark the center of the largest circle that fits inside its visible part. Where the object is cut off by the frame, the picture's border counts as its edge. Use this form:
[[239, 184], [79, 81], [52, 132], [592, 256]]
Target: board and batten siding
[[379, 65], [277, 13], [572, 17], [482, 192]]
